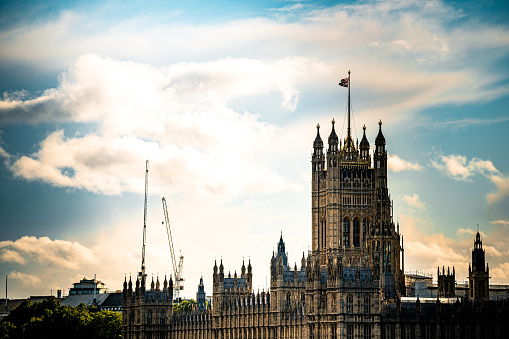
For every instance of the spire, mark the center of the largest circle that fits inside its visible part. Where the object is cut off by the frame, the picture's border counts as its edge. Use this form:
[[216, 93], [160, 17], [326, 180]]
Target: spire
[[380, 139], [333, 137], [364, 140], [318, 143]]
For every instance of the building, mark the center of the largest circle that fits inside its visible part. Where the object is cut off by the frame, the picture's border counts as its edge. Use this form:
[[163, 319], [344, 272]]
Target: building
[[93, 292], [350, 285], [88, 286]]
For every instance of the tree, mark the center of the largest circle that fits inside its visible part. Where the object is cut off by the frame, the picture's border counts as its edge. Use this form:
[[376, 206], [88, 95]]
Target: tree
[[184, 306], [49, 319]]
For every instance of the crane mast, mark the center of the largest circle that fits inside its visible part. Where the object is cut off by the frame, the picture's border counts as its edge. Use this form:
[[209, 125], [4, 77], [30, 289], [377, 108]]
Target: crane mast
[[177, 270], [142, 272]]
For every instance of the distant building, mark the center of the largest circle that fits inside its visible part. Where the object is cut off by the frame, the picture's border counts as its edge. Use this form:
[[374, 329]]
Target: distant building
[[92, 292], [88, 286]]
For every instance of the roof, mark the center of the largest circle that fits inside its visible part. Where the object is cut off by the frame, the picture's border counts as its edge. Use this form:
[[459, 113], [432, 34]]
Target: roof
[[87, 299], [113, 299]]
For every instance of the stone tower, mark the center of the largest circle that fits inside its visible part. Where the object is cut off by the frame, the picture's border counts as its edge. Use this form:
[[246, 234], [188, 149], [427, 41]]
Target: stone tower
[[478, 273], [200, 296], [446, 283], [351, 205]]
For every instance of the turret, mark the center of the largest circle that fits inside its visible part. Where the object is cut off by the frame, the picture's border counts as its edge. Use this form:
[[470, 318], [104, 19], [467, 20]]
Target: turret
[[332, 153], [478, 274], [364, 147], [380, 155], [124, 291], [318, 158], [249, 278]]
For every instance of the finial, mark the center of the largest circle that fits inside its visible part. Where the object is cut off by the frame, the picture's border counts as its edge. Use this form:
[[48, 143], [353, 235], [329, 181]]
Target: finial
[[349, 72], [364, 128], [318, 126], [333, 122], [380, 123]]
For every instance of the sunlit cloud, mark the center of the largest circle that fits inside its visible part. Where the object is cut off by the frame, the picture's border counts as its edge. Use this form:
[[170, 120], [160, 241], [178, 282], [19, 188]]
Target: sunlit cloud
[[24, 278], [414, 201], [396, 164], [500, 222], [457, 167], [177, 117], [502, 184], [58, 253]]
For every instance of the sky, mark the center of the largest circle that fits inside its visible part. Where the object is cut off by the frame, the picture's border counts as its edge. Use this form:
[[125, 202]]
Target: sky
[[222, 98]]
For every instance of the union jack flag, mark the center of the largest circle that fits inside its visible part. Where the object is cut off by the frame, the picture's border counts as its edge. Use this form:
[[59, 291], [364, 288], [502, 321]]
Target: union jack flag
[[344, 82]]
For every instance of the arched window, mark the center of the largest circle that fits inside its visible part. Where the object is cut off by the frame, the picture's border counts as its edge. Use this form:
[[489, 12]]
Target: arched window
[[349, 303], [365, 227], [356, 232], [367, 304], [149, 317], [346, 232], [162, 318]]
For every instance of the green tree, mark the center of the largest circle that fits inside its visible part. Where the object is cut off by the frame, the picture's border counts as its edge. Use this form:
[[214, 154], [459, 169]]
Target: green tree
[[184, 306], [49, 319]]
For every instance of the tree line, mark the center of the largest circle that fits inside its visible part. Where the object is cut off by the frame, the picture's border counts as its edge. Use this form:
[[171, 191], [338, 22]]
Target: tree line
[[49, 319]]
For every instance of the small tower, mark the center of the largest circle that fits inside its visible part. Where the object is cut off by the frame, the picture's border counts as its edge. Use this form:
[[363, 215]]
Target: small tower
[[200, 296], [479, 273], [318, 184], [364, 147], [446, 283]]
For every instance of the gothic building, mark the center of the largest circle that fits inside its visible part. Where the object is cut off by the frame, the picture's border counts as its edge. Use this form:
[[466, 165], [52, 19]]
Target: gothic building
[[349, 285]]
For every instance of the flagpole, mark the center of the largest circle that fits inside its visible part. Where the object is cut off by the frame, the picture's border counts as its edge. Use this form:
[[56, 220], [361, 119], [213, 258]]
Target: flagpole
[[348, 103]]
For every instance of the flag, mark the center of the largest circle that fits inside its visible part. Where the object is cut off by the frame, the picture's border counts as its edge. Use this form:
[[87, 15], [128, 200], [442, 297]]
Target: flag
[[344, 82]]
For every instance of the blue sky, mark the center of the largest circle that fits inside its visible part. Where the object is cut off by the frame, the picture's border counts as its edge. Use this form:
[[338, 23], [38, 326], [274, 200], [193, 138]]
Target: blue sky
[[223, 99]]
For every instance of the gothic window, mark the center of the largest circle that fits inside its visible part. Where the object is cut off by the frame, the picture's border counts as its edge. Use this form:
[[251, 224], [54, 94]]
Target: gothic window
[[346, 232], [349, 331], [349, 303], [162, 318], [356, 232], [367, 331], [149, 317], [367, 304]]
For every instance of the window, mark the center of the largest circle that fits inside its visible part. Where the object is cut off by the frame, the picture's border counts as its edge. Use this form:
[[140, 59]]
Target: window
[[162, 318], [367, 331], [367, 304], [349, 303], [356, 232], [346, 232], [349, 331], [149, 317]]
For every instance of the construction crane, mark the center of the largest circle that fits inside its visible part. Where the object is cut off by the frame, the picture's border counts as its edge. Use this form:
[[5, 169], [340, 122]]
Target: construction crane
[[142, 274], [177, 270]]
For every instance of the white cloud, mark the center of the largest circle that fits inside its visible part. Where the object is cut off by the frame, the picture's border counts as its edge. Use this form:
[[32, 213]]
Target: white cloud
[[177, 117], [457, 167], [500, 222], [396, 164], [58, 253], [25, 279], [414, 201], [470, 232], [502, 184]]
